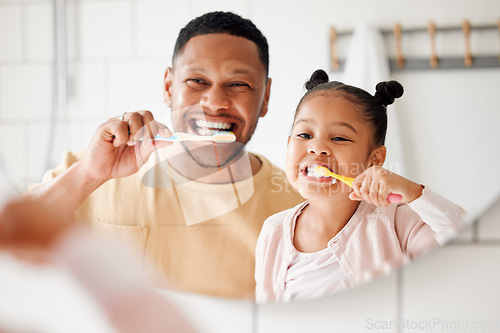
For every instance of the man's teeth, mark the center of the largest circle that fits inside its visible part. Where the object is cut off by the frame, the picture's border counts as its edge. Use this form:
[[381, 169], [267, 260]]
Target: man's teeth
[[210, 127]]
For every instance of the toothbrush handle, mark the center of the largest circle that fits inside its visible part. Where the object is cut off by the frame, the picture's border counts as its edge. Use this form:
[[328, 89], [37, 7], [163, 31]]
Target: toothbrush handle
[[179, 136], [161, 138], [394, 198]]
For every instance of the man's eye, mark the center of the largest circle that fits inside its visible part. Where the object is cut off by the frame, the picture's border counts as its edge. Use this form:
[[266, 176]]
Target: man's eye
[[239, 84], [198, 81], [305, 136]]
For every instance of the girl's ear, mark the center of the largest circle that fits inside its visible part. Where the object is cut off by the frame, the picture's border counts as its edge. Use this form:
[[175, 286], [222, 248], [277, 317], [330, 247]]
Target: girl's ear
[[378, 156], [288, 141]]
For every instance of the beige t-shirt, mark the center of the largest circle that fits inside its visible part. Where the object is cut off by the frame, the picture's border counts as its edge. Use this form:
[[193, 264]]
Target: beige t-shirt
[[192, 236]]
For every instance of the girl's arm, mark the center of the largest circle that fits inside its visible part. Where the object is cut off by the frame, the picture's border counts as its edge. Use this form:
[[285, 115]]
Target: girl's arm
[[444, 217], [436, 221]]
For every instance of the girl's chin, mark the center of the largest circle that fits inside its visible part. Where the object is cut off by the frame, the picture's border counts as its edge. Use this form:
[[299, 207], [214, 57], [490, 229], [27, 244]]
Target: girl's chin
[[323, 193]]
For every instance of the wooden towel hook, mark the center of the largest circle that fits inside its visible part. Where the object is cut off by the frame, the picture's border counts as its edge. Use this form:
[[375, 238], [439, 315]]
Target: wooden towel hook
[[498, 27], [468, 55], [431, 28], [334, 59], [400, 60]]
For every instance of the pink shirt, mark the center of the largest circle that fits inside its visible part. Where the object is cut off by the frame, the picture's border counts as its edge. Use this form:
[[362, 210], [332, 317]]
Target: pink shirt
[[375, 240]]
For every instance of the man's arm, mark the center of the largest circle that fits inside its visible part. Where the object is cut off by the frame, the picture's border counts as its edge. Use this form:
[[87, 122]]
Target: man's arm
[[118, 148]]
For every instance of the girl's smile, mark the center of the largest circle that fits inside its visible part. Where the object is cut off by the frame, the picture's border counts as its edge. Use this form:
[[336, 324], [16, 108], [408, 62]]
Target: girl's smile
[[308, 172]]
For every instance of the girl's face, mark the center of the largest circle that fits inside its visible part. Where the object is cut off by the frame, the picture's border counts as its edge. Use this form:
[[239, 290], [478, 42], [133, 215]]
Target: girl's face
[[328, 131]]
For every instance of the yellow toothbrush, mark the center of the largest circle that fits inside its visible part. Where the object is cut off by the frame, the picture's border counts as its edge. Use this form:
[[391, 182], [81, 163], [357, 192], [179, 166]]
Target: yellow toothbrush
[[325, 172]]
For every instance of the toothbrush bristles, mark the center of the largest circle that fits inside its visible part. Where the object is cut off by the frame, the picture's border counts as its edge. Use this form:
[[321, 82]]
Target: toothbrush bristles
[[224, 137], [321, 171]]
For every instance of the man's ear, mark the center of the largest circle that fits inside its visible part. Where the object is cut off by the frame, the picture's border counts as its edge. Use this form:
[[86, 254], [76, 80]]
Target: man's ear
[[378, 156], [267, 94], [167, 94]]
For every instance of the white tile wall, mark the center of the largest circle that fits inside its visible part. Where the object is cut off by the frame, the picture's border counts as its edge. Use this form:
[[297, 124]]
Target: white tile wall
[[36, 148], [39, 31], [155, 24], [136, 85], [200, 7], [12, 142], [11, 34], [118, 52], [87, 89], [26, 92], [105, 29], [73, 18]]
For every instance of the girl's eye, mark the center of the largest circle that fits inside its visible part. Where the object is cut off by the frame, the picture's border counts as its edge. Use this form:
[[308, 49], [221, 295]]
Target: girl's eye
[[339, 138], [304, 136]]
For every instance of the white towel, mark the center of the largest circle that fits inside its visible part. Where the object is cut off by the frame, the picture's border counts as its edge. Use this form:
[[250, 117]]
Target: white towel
[[366, 65]]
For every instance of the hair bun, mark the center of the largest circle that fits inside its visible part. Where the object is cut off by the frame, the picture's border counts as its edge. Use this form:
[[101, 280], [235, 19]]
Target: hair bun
[[318, 77], [386, 92]]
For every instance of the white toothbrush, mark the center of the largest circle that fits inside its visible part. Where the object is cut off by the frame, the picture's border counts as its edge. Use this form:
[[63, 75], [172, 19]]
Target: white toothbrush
[[219, 137]]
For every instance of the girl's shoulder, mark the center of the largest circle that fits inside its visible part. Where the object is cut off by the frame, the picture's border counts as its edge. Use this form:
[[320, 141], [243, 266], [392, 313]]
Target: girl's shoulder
[[277, 220]]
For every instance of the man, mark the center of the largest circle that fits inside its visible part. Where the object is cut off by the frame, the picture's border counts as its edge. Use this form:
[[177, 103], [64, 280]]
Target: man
[[195, 209]]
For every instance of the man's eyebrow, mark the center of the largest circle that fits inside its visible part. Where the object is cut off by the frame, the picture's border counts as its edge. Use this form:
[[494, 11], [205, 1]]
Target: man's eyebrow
[[246, 71], [337, 123]]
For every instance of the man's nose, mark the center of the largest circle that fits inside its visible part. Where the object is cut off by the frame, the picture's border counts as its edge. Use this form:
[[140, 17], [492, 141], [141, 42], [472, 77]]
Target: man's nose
[[215, 98]]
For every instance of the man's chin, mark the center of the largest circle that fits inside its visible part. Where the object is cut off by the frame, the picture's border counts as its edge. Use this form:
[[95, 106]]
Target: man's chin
[[215, 155]]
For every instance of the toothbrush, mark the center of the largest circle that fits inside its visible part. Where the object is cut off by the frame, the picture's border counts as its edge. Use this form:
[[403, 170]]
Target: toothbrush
[[219, 137], [322, 171]]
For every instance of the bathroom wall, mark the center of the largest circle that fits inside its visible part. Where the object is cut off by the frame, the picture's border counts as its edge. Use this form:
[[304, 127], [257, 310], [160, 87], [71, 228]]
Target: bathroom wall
[[117, 54]]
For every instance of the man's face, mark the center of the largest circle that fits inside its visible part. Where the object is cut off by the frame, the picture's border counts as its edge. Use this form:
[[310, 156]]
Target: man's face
[[217, 83]]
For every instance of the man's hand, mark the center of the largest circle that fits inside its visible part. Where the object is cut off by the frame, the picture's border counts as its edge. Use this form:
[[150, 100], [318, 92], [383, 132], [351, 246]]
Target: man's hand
[[121, 146]]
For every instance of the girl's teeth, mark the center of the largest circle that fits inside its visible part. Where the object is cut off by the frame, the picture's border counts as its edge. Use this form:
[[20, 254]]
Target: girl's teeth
[[334, 180], [311, 173]]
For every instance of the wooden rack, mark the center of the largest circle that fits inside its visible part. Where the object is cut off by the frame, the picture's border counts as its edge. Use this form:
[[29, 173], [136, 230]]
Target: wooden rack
[[433, 61]]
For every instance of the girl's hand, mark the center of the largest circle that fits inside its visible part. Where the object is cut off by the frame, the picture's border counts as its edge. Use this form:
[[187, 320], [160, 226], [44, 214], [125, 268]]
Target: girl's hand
[[375, 184]]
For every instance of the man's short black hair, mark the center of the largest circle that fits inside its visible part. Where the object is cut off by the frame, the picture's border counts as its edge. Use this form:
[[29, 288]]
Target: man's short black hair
[[223, 22]]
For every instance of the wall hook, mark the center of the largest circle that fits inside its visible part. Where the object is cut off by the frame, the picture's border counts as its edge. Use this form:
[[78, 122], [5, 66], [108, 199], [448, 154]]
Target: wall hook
[[334, 59], [400, 60], [431, 28], [468, 55], [498, 27]]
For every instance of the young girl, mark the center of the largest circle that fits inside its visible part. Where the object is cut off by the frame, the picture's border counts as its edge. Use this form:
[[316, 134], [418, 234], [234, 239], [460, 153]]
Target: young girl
[[341, 237]]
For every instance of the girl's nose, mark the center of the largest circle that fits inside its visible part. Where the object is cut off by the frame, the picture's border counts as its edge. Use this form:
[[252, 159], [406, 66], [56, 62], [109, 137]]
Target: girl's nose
[[215, 99], [319, 149]]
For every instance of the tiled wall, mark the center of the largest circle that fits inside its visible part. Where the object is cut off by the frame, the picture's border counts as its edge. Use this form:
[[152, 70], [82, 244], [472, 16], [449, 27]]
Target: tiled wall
[[117, 53]]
